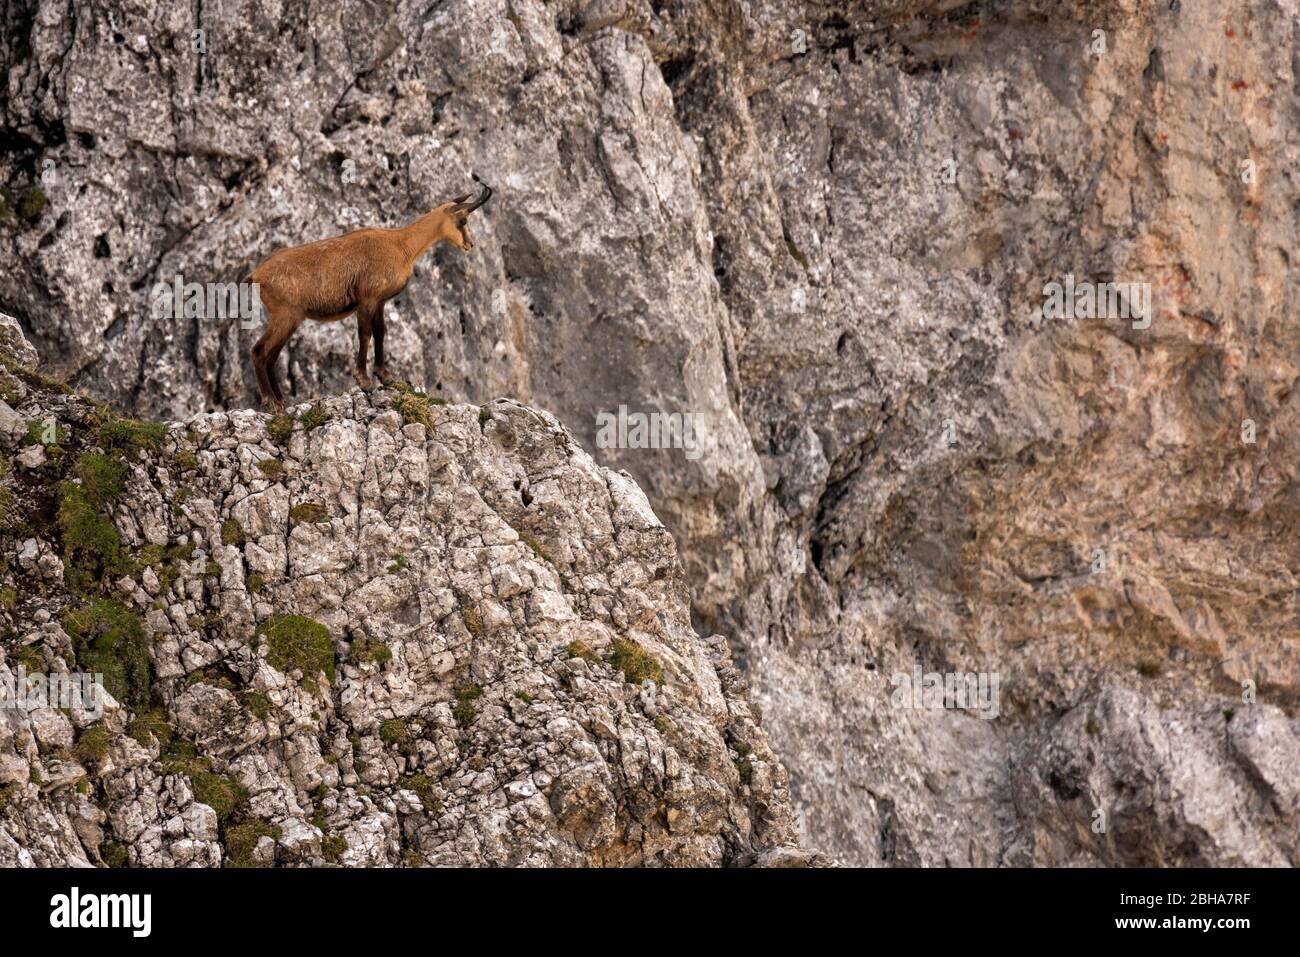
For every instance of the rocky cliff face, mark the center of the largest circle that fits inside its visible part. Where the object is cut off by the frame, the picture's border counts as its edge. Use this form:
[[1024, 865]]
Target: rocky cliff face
[[826, 228], [383, 632]]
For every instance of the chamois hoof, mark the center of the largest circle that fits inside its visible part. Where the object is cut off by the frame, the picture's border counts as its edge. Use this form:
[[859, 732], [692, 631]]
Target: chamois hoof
[[384, 376], [364, 381]]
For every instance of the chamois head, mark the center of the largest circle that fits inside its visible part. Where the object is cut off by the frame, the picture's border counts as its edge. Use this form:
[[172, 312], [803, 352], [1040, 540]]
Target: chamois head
[[457, 212]]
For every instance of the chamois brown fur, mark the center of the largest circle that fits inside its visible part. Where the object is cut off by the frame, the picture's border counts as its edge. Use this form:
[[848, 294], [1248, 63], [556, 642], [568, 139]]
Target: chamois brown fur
[[359, 272]]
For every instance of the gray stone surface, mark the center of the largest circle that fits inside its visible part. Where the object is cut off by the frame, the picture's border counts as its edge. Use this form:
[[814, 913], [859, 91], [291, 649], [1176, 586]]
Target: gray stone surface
[[479, 583], [15, 345], [826, 228]]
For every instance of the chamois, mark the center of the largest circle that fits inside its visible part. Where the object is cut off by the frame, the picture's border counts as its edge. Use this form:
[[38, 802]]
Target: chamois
[[358, 272]]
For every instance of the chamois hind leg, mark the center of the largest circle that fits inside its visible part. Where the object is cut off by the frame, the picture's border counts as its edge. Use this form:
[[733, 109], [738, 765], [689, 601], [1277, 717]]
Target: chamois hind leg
[[267, 351], [377, 326], [365, 323], [272, 361], [260, 355]]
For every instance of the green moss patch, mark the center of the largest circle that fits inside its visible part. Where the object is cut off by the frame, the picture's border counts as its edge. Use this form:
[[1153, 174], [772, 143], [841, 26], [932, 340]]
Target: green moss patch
[[393, 732], [92, 546], [257, 703], [93, 744], [220, 792], [333, 846], [314, 417], [103, 477], [150, 726], [32, 205], [280, 428], [130, 435], [580, 649], [423, 787], [414, 408], [309, 512], [29, 656], [470, 615], [635, 662], [8, 509], [110, 639], [464, 711], [114, 854], [48, 432], [294, 641], [535, 545], [370, 650], [181, 552], [242, 840], [213, 676]]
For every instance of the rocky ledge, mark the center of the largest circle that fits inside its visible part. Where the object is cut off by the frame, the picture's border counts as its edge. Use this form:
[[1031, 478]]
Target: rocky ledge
[[378, 630]]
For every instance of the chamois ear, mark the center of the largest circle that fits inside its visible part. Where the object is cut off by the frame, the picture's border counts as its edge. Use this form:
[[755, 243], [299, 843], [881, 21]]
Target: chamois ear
[[459, 200]]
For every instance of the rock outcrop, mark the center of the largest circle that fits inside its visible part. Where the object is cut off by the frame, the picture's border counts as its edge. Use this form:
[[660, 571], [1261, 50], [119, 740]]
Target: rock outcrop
[[382, 631], [826, 229]]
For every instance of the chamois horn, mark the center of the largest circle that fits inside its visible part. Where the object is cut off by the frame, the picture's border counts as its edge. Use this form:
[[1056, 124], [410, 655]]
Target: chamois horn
[[483, 197]]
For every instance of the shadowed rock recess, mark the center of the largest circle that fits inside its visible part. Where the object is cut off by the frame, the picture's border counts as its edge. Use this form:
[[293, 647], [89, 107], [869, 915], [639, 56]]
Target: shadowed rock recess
[[826, 229], [383, 632]]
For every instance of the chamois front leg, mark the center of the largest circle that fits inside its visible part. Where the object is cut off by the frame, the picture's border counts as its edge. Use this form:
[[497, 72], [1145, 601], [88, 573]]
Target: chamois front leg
[[365, 324], [377, 327]]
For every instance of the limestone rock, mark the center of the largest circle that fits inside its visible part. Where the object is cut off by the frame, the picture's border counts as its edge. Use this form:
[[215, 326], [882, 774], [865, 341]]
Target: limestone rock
[[432, 667], [824, 228]]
